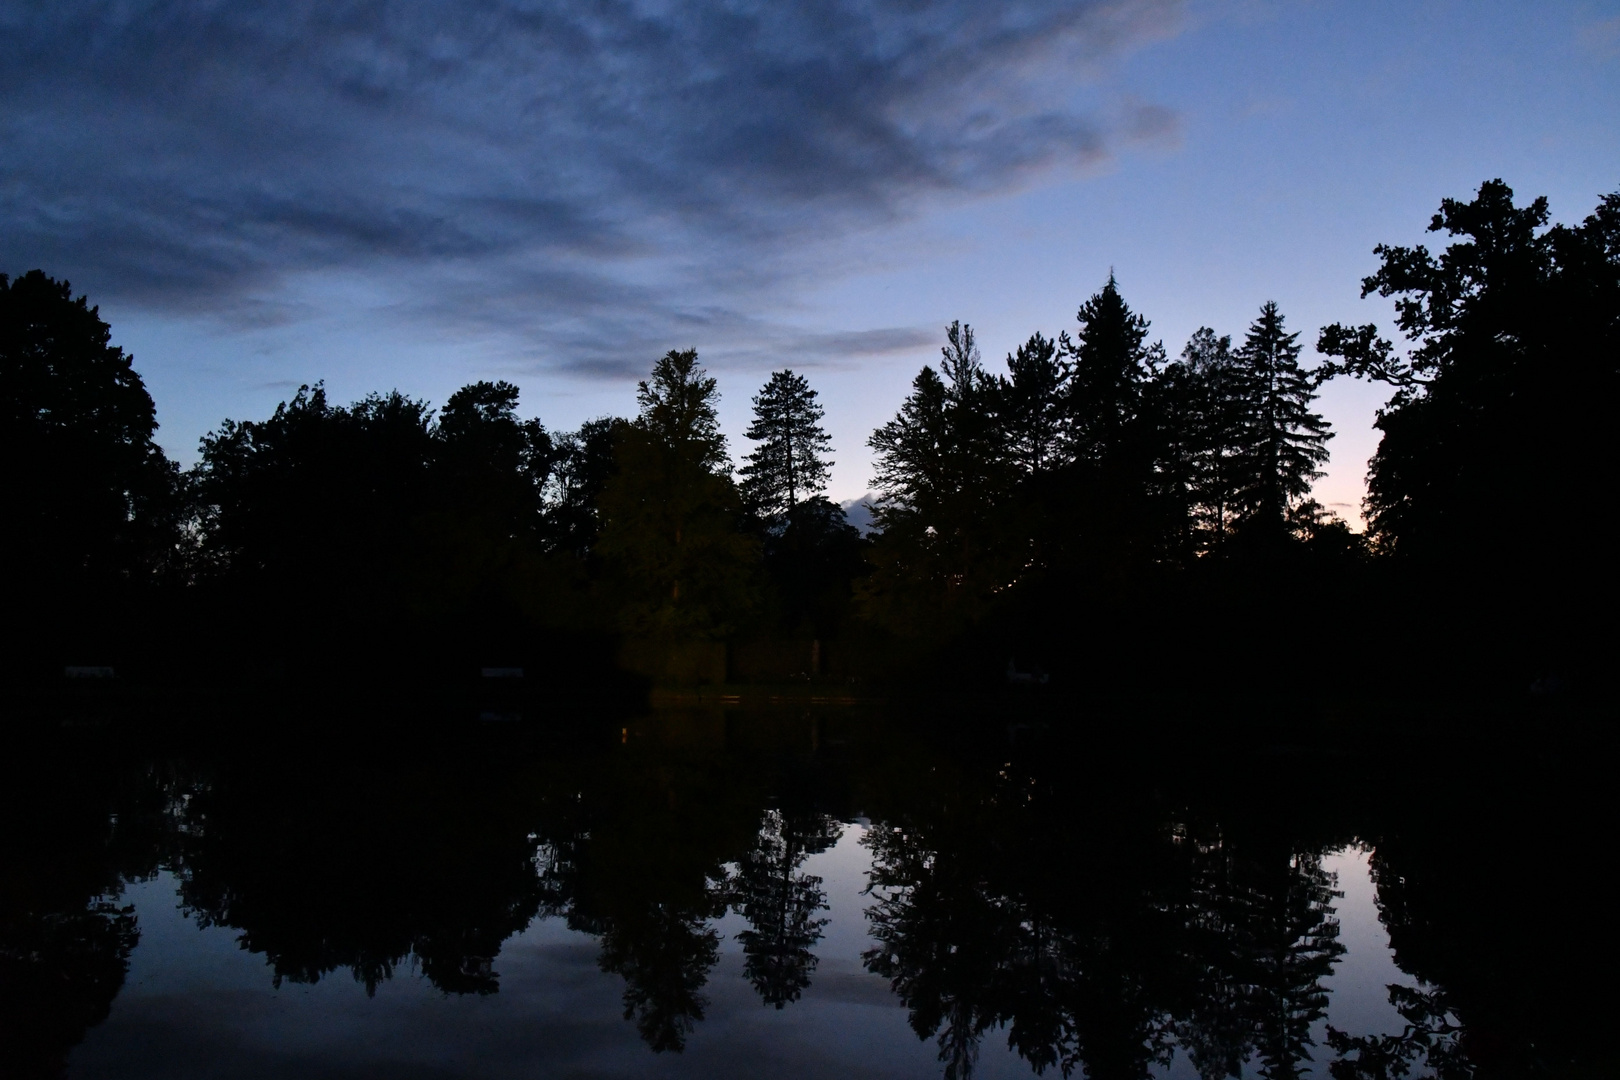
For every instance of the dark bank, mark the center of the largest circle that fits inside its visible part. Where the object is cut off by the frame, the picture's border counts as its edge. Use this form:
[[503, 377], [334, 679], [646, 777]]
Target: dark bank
[[1099, 521]]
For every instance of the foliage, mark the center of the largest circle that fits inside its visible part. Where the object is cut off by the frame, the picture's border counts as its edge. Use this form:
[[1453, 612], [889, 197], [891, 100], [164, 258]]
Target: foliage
[[580, 471], [90, 498], [1514, 335], [789, 464], [1283, 442], [939, 469], [1094, 496], [672, 519]]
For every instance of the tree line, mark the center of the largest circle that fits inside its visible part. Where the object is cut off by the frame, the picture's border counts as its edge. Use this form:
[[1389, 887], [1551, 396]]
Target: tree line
[[1099, 506]]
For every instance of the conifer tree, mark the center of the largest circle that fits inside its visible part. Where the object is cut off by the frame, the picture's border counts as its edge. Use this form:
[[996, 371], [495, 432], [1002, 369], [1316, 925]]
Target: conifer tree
[[943, 444], [789, 463], [782, 903], [1033, 406], [1112, 361], [1285, 441], [940, 470], [1216, 436], [670, 514]]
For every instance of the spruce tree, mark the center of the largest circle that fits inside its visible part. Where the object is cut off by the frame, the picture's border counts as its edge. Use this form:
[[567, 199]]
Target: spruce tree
[[1032, 406], [1286, 443], [944, 446], [1112, 361], [1217, 440], [940, 471], [789, 464]]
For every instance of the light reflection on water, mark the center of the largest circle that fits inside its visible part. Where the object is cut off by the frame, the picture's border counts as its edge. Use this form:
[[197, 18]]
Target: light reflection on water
[[810, 895], [196, 1003]]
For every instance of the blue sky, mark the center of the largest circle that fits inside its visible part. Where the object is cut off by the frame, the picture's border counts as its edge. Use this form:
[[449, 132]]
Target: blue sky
[[416, 195]]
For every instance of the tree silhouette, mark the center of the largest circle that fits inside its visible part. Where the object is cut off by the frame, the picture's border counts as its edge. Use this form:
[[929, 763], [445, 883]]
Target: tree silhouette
[[814, 561], [348, 863], [1294, 944], [1112, 361], [582, 465], [940, 452], [671, 515], [1198, 405], [940, 469], [781, 903], [1512, 338], [1284, 442], [1032, 406], [788, 464], [90, 498], [493, 462]]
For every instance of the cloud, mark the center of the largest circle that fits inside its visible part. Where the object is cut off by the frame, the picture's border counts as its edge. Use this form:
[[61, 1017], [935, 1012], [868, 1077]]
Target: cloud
[[523, 164]]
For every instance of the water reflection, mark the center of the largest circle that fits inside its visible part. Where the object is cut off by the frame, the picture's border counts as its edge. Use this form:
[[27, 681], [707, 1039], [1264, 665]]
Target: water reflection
[[782, 903], [328, 865], [1107, 914], [1099, 942], [74, 830]]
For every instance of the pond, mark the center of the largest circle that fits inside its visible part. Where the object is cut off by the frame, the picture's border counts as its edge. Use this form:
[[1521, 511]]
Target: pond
[[807, 893]]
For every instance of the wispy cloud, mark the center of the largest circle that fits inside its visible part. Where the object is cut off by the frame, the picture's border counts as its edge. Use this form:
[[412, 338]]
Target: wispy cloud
[[580, 172]]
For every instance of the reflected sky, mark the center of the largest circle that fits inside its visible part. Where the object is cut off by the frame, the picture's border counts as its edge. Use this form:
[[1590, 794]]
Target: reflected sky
[[197, 1004], [801, 893]]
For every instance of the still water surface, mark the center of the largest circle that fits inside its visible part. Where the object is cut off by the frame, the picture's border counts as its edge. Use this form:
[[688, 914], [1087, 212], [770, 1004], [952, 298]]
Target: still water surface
[[723, 894]]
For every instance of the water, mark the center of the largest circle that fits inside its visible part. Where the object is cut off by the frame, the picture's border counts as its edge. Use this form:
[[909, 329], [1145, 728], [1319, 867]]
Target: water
[[802, 894]]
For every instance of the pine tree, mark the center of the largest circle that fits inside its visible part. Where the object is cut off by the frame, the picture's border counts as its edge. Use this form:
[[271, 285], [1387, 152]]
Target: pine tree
[[1285, 441], [1033, 406], [782, 903], [941, 471], [1215, 440], [789, 463], [943, 447], [1112, 361]]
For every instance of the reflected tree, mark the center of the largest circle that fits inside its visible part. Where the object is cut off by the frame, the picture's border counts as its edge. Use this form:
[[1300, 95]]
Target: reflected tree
[[1432, 1039], [781, 903], [77, 826], [59, 973], [359, 867], [1294, 942], [1098, 938], [664, 956], [636, 854], [1004, 913]]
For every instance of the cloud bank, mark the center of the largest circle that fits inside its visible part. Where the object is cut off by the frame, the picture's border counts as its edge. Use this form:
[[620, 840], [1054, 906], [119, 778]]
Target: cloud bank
[[597, 176]]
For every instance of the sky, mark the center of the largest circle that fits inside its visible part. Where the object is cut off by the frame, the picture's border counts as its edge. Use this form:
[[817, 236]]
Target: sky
[[423, 193]]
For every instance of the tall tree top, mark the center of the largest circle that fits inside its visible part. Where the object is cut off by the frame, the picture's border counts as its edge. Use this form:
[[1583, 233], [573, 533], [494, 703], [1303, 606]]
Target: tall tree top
[[1109, 350], [1270, 346], [678, 410], [1111, 362], [59, 370], [789, 463], [960, 363]]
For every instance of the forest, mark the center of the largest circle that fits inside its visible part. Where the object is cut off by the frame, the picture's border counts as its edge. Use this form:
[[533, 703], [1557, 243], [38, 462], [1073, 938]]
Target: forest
[[1100, 516]]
